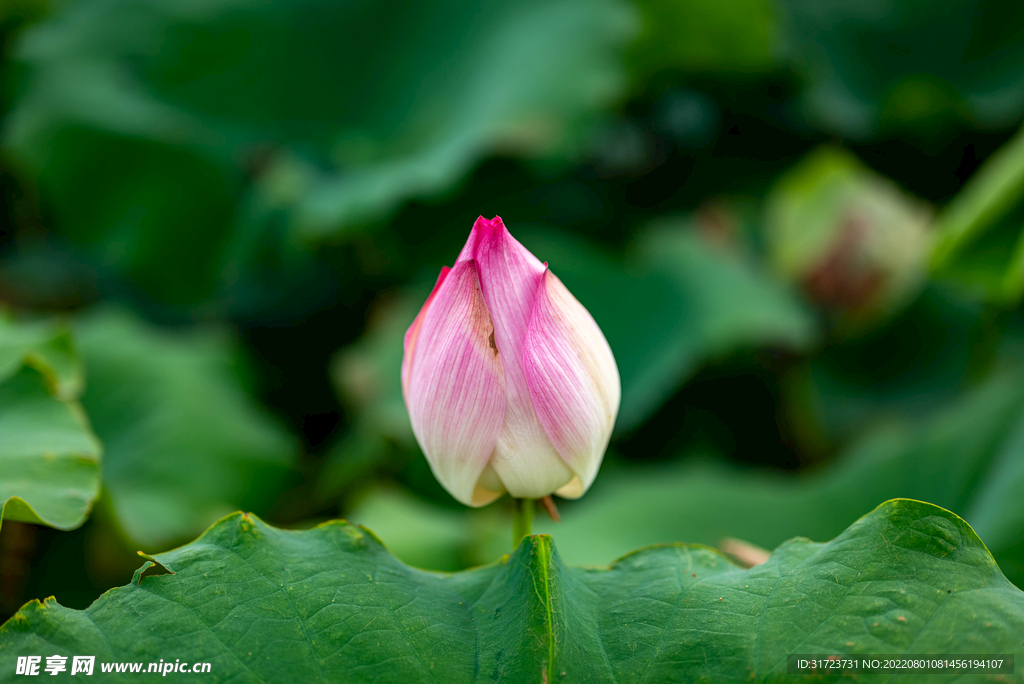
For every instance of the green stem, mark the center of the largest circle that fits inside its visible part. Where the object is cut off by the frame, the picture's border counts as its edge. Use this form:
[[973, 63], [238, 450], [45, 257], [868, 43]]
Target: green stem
[[522, 520]]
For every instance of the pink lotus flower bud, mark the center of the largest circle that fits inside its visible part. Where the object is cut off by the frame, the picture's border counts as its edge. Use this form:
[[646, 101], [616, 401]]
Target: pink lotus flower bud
[[509, 383]]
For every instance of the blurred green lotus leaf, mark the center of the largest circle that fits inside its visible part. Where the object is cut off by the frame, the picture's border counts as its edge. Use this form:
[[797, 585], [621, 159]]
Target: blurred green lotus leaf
[[367, 379], [143, 121], [980, 235], [365, 372], [909, 66], [185, 444], [724, 300], [853, 241], [331, 604], [920, 361], [45, 346], [49, 457], [704, 36]]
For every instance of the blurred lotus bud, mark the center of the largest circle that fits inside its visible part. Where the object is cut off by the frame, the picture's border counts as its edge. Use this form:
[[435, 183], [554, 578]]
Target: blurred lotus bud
[[509, 382], [854, 242]]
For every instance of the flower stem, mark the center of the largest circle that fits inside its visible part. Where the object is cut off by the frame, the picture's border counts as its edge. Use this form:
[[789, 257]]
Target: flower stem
[[522, 520]]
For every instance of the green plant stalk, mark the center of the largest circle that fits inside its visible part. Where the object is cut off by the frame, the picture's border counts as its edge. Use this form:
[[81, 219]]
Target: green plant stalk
[[522, 520]]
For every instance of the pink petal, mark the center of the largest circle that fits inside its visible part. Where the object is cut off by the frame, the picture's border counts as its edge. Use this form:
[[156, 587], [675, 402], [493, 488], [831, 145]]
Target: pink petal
[[573, 380], [414, 329], [480, 226], [524, 458], [455, 386]]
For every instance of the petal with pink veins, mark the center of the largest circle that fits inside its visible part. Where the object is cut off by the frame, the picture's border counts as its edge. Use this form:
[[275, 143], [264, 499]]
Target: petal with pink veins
[[524, 458], [414, 329], [455, 384], [573, 381]]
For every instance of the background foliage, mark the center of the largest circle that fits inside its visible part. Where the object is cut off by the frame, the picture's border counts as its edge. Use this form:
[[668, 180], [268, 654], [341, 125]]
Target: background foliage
[[798, 223]]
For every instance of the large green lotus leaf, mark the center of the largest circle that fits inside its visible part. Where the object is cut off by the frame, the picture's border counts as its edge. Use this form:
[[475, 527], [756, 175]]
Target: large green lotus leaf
[[49, 457], [913, 66], [185, 444], [331, 604], [144, 120]]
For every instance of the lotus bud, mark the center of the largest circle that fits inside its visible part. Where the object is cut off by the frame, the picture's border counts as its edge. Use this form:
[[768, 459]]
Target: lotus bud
[[509, 382], [855, 243]]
